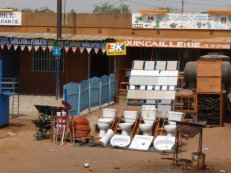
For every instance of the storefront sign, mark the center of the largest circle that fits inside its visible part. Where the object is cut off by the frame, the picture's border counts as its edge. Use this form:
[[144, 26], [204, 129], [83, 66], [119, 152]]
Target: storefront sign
[[115, 49], [11, 18], [181, 21], [177, 44], [47, 43]]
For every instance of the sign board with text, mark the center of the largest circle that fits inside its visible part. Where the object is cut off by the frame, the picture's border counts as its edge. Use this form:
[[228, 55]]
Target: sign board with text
[[11, 18], [181, 21], [177, 44], [116, 49]]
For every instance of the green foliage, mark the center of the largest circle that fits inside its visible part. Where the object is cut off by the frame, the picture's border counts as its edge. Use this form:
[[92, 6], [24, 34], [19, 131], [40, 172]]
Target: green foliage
[[72, 11], [43, 10], [14, 9], [108, 8], [27, 10]]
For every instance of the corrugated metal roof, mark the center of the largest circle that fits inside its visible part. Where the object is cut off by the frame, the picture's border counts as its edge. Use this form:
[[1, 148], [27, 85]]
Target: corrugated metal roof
[[81, 37], [76, 37]]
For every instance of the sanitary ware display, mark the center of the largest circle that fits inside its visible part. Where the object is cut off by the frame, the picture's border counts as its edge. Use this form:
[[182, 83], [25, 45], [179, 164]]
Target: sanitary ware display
[[120, 140], [171, 127], [149, 115], [164, 109], [149, 65], [157, 81], [141, 142], [139, 65], [106, 138], [130, 117], [105, 122], [164, 143]]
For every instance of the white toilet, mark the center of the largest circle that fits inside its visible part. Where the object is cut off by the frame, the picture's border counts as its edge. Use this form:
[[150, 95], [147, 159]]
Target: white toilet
[[105, 122], [129, 118], [171, 127], [149, 117], [164, 143]]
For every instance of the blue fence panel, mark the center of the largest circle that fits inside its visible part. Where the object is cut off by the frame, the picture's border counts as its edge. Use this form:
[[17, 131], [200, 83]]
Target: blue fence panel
[[90, 93], [0, 75], [84, 95], [94, 91], [105, 89], [112, 87], [72, 93]]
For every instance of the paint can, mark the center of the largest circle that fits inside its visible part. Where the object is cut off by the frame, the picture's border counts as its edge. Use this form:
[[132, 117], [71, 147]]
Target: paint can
[[198, 160]]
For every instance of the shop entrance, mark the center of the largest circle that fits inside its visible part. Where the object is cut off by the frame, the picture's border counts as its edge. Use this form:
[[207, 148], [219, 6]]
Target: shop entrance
[[99, 64]]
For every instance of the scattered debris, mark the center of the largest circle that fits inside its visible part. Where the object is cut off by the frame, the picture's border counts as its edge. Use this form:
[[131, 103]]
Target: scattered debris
[[86, 165], [11, 133], [205, 149], [222, 171]]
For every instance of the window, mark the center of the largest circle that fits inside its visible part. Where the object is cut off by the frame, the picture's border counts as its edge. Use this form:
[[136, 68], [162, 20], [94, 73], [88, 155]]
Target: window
[[44, 61]]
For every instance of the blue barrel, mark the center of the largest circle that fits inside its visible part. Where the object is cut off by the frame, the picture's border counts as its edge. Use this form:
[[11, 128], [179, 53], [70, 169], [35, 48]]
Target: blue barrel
[[4, 109]]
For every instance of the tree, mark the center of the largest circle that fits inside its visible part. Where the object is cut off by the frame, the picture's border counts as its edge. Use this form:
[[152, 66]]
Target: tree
[[43, 10], [27, 10], [14, 9], [108, 8], [72, 11]]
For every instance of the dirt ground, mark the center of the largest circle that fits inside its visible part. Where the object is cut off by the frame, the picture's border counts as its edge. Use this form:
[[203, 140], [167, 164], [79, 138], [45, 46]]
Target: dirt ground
[[20, 152]]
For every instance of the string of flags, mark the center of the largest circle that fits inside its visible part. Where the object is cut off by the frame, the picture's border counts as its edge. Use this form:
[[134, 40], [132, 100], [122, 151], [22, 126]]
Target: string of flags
[[50, 48]]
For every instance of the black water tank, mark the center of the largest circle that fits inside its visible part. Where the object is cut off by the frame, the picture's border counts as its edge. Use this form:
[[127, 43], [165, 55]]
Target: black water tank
[[190, 70]]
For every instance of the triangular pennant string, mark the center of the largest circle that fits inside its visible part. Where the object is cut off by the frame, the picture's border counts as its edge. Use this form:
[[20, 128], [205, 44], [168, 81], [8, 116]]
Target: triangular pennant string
[[81, 49], [103, 50], [29, 48], [36, 48], [89, 50], [74, 49], [22, 47], [96, 51], [8, 46], [15, 47], [66, 49], [2, 46]]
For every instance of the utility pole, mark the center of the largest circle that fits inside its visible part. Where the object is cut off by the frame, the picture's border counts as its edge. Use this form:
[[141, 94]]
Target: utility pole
[[59, 19], [182, 9], [57, 52], [121, 6]]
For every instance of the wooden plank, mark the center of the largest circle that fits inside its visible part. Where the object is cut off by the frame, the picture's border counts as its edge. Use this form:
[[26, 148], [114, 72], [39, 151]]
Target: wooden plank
[[209, 68], [208, 85]]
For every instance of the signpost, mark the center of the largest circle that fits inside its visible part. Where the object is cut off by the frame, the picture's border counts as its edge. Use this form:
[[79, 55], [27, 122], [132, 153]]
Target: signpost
[[57, 53]]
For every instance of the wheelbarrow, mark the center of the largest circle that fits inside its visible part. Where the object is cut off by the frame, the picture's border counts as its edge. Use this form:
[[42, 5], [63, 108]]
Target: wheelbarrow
[[43, 123]]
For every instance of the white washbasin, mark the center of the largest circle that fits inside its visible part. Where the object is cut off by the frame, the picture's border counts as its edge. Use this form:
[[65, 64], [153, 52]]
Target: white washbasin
[[141, 142], [120, 141], [164, 143]]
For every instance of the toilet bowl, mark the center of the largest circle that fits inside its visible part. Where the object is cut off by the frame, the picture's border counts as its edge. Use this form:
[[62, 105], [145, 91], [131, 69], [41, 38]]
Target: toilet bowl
[[109, 112], [174, 116], [146, 129], [129, 118], [126, 128], [120, 141], [171, 127], [103, 127], [170, 130], [149, 114], [105, 122], [149, 117], [164, 143]]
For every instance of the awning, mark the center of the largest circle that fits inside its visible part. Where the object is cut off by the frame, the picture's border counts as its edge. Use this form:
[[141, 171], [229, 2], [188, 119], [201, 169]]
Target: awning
[[75, 41]]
